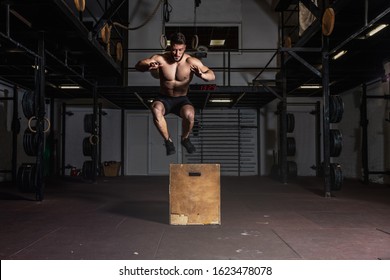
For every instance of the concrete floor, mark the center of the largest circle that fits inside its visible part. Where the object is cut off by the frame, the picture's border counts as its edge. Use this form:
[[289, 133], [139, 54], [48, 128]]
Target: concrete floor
[[127, 218]]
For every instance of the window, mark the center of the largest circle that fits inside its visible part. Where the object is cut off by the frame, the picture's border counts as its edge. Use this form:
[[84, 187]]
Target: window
[[226, 35]]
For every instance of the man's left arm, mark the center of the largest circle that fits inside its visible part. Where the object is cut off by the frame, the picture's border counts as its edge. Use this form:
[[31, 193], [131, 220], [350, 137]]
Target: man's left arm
[[201, 71], [207, 74]]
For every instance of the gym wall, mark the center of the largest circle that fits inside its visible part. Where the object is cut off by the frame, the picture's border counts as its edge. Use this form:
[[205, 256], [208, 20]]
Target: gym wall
[[259, 29]]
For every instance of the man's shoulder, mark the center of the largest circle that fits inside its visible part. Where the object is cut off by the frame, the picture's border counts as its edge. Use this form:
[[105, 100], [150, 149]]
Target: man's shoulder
[[158, 55], [191, 59], [162, 56]]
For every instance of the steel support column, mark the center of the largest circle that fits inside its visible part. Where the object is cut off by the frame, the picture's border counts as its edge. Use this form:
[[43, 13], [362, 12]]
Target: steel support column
[[318, 138], [40, 105], [282, 113], [326, 123], [15, 134], [364, 125], [123, 142], [100, 114], [96, 134], [52, 143], [63, 131]]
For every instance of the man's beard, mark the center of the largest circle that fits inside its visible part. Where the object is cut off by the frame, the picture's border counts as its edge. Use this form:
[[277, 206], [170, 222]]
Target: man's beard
[[177, 59]]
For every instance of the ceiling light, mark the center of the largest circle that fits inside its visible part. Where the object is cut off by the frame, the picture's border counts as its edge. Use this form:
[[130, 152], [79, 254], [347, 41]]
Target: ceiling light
[[339, 54], [221, 100], [217, 42], [376, 30], [69, 86], [310, 86]]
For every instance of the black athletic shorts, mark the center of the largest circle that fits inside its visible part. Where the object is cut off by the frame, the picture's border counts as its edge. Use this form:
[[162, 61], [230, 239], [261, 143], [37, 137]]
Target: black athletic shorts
[[173, 104]]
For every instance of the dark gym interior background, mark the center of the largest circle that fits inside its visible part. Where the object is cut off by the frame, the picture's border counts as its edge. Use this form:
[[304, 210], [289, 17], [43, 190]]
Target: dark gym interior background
[[298, 118]]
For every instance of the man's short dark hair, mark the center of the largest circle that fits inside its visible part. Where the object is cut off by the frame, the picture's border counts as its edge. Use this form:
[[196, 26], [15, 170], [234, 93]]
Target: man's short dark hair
[[178, 38]]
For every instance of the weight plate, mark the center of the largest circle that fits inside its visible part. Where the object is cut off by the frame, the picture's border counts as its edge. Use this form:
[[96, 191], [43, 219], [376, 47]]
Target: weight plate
[[290, 122], [336, 108], [26, 178], [87, 169], [291, 147], [87, 147], [28, 104], [287, 42], [30, 142], [336, 142], [328, 20], [19, 178], [119, 52], [336, 176]]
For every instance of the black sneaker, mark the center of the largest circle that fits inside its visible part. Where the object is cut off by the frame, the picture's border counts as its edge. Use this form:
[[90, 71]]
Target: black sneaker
[[170, 147], [188, 145]]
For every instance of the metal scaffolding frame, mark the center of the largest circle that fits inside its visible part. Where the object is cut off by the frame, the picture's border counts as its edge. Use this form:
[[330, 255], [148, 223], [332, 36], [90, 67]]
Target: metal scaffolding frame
[[323, 74]]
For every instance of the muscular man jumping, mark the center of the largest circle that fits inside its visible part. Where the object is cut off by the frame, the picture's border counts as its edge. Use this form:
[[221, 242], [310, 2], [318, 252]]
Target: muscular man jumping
[[176, 70]]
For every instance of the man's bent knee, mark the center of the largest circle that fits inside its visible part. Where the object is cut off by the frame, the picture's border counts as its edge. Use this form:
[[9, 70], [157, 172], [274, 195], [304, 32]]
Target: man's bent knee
[[188, 113], [158, 109]]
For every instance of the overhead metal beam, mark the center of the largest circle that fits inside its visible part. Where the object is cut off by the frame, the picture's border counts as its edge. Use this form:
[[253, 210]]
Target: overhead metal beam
[[271, 90], [305, 63], [81, 79], [19, 45], [283, 5], [266, 66], [238, 99], [360, 31], [115, 6], [316, 25], [206, 100], [140, 99]]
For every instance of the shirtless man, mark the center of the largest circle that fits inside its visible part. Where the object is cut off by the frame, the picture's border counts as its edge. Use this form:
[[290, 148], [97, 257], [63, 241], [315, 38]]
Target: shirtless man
[[176, 70]]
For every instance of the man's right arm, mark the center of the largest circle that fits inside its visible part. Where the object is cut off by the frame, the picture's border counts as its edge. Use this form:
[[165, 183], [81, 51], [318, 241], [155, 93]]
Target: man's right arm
[[143, 65], [147, 64]]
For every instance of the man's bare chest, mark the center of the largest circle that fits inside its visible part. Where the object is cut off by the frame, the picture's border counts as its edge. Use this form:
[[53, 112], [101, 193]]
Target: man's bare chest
[[177, 71]]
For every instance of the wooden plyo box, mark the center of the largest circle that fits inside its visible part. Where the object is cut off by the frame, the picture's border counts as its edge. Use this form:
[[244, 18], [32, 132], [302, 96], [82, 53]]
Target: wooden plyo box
[[194, 194]]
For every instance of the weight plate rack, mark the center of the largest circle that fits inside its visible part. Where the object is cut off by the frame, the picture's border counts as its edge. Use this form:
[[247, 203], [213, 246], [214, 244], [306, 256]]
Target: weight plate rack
[[29, 177], [88, 142], [292, 168], [336, 111]]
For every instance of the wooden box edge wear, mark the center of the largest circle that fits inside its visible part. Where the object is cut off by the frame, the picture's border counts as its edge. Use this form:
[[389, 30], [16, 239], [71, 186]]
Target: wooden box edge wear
[[194, 194]]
